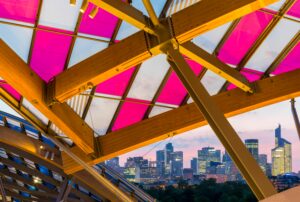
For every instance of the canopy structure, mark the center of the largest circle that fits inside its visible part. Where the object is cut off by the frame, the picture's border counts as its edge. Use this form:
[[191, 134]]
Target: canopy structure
[[100, 78]]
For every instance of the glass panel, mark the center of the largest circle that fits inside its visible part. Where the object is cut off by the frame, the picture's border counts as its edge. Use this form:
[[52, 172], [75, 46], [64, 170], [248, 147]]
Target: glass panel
[[59, 14], [17, 38], [102, 25], [251, 75], [209, 40], [276, 6], [291, 62], [132, 111], [212, 82], [295, 10], [116, 85], [126, 30], [149, 78], [243, 37], [273, 45], [10, 90], [158, 110], [84, 48], [157, 6], [35, 112], [5, 108], [49, 53], [174, 92], [25, 10], [101, 113]]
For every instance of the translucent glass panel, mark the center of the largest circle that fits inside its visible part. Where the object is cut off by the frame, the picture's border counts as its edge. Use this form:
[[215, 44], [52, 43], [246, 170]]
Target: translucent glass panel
[[149, 78], [157, 6], [156, 110], [101, 113], [212, 82], [291, 62], [17, 38], [126, 30], [24, 10], [273, 45], [84, 48], [5, 108], [36, 112], [174, 91], [295, 10], [117, 85], [10, 90], [276, 6], [243, 37], [49, 53], [59, 14], [251, 76], [102, 25], [209, 40], [132, 111]]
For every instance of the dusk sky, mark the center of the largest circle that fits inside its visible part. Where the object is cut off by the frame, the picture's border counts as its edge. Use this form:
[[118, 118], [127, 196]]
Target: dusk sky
[[259, 124]]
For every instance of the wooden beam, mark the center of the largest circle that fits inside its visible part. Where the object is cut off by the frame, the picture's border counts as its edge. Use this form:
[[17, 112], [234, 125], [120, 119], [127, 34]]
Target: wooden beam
[[20, 76], [215, 65], [242, 158], [186, 24], [268, 91]]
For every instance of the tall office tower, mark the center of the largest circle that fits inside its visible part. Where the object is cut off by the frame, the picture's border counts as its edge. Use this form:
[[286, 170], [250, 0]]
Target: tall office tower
[[176, 163], [194, 165], [113, 163], [168, 150], [160, 165], [207, 155], [263, 160], [281, 154], [252, 146]]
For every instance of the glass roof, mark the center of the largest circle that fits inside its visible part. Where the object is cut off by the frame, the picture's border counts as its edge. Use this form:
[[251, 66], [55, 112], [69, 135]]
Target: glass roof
[[54, 36]]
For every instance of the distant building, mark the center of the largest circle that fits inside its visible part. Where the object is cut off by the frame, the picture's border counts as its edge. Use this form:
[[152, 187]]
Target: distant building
[[167, 154], [252, 146], [281, 155], [194, 165], [285, 181], [220, 178], [113, 163], [263, 160], [176, 161], [188, 174], [160, 162], [207, 155]]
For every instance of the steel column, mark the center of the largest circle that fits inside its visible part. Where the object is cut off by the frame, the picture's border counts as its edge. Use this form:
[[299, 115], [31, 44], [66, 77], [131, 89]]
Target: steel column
[[252, 173]]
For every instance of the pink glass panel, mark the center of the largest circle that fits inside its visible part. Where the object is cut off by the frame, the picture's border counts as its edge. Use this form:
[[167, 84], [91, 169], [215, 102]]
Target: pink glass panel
[[174, 92], [251, 75], [102, 25], [116, 85], [295, 10], [49, 52], [10, 90], [243, 37], [130, 113], [291, 62], [21, 10]]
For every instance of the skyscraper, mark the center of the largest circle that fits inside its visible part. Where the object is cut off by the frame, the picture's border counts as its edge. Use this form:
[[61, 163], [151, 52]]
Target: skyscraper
[[281, 154], [167, 154], [263, 160], [207, 155], [194, 165], [160, 165], [176, 163], [252, 146]]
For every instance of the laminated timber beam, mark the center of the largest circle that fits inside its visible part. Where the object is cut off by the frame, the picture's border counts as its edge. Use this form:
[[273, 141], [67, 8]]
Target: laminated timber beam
[[234, 102], [182, 26], [238, 152], [20, 76]]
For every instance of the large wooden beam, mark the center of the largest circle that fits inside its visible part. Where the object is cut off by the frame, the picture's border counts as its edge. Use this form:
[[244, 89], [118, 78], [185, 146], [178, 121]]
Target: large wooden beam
[[20, 76], [268, 91], [186, 24], [212, 63]]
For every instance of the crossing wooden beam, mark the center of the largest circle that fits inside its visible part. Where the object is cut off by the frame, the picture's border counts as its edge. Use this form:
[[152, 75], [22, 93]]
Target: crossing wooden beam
[[20, 76], [267, 91], [183, 26]]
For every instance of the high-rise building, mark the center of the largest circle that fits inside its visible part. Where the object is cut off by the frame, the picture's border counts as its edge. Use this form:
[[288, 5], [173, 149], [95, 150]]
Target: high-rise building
[[252, 146], [160, 162], [281, 155], [194, 165], [167, 154], [207, 155], [176, 163], [263, 160]]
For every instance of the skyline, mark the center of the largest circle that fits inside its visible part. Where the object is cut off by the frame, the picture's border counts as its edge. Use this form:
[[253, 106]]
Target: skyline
[[258, 124]]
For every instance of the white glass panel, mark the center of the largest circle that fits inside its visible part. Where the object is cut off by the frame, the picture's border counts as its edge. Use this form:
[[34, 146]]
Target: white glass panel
[[209, 40], [59, 14], [18, 38], [190, 100], [212, 82], [36, 112], [5, 108], [273, 45], [276, 6], [158, 110], [126, 30], [149, 78], [84, 48], [100, 114], [157, 6]]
